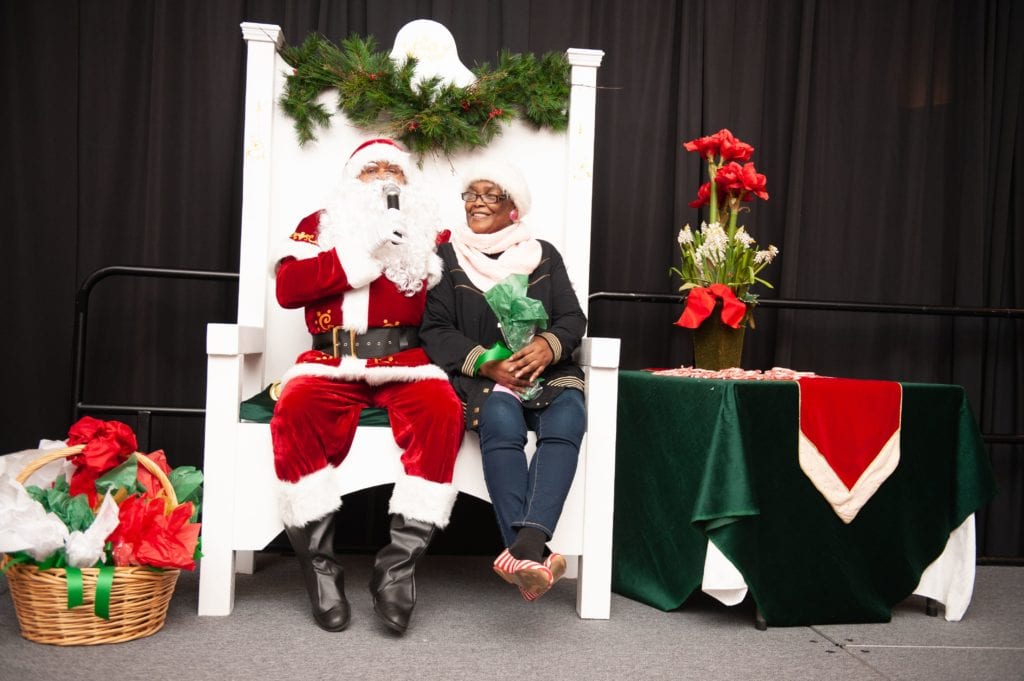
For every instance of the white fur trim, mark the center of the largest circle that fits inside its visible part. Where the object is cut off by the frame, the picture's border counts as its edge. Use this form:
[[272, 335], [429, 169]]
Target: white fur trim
[[354, 369], [848, 502], [423, 500], [381, 151], [289, 248], [310, 498], [355, 309], [360, 266], [435, 269]]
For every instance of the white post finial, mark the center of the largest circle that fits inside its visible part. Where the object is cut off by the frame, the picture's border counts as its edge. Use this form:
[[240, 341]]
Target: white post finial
[[580, 57], [264, 33]]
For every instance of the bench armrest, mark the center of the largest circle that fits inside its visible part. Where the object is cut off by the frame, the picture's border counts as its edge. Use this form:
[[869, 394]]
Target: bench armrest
[[234, 369], [233, 339], [600, 353]]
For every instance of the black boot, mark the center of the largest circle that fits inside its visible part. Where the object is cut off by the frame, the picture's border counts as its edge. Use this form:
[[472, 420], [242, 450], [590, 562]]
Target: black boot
[[393, 584], [325, 579]]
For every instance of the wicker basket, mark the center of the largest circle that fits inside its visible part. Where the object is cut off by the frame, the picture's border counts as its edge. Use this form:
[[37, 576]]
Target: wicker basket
[[139, 596]]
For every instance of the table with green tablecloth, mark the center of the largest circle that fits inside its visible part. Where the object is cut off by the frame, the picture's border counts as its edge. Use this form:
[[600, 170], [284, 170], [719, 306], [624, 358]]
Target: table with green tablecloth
[[703, 459]]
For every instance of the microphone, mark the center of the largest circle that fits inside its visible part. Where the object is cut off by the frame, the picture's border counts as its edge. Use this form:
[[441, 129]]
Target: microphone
[[391, 191]]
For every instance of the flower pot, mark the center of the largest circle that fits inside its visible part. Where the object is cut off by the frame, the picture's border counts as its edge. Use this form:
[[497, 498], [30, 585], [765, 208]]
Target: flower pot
[[717, 346]]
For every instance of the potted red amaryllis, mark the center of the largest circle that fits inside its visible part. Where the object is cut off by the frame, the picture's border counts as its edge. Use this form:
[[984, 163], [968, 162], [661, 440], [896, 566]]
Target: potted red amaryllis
[[93, 549], [720, 262]]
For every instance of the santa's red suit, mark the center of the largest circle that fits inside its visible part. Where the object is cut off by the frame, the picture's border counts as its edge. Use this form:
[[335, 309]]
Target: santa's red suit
[[346, 297], [360, 269]]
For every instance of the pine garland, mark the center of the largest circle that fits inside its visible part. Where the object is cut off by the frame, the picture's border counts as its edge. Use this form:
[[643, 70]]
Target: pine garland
[[374, 92]]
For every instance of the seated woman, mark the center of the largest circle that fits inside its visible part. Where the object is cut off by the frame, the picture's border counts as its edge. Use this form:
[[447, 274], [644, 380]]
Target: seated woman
[[459, 326]]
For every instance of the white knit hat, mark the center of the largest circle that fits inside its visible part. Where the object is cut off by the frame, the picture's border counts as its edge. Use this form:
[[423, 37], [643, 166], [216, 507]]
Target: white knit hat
[[377, 149], [505, 175]]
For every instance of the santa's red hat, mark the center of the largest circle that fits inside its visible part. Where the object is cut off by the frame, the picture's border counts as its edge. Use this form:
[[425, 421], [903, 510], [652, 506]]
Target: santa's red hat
[[376, 149]]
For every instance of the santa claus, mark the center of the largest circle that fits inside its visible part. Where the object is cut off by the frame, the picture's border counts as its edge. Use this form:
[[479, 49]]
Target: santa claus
[[361, 269]]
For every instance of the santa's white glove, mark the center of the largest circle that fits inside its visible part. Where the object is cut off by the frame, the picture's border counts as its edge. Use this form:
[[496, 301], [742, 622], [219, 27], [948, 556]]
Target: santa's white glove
[[391, 229]]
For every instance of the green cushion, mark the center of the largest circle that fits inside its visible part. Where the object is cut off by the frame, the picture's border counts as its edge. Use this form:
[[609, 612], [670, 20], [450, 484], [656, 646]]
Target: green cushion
[[260, 407]]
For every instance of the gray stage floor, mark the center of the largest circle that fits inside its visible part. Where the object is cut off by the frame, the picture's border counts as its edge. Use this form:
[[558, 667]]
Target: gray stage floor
[[471, 625]]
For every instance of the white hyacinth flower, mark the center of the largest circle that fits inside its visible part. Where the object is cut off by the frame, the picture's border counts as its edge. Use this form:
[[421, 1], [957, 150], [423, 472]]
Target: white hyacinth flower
[[716, 243], [743, 238], [685, 236], [766, 256]]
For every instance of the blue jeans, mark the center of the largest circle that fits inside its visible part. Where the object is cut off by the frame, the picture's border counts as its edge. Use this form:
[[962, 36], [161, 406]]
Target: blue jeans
[[530, 496]]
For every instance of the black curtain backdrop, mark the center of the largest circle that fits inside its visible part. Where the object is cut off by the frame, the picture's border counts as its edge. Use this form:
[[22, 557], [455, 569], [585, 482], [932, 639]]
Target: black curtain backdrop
[[890, 132]]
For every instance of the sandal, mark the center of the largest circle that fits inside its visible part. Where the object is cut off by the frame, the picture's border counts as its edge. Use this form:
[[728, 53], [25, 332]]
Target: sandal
[[530, 576], [556, 564]]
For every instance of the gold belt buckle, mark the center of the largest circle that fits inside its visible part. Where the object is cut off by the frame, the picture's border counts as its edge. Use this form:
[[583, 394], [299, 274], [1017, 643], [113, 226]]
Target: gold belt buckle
[[351, 341]]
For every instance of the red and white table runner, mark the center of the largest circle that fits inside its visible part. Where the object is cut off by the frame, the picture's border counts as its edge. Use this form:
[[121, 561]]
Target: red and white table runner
[[849, 441]]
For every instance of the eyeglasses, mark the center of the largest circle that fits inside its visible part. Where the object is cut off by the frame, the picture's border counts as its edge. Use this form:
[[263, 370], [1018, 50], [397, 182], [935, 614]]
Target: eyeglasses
[[386, 168], [486, 198]]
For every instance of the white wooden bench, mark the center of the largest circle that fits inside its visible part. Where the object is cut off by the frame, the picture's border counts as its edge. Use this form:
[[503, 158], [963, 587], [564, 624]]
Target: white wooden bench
[[282, 182]]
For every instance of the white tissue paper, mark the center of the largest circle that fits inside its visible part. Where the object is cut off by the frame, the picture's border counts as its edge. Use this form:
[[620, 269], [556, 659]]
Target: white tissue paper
[[85, 549], [25, 525], [11, 465]]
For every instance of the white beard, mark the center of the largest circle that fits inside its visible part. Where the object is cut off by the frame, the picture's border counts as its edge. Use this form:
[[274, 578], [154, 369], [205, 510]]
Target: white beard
[[356, 215]]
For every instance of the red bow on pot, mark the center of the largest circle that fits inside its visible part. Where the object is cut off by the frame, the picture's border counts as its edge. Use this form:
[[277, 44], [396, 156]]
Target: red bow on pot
[[701, 302]]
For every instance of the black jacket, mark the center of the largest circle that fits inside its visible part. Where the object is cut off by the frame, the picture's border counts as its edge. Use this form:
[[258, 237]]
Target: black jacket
[[459, 325]]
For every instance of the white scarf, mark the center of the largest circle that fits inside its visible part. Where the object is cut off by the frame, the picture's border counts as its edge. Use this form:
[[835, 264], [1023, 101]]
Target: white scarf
[[520, 253]]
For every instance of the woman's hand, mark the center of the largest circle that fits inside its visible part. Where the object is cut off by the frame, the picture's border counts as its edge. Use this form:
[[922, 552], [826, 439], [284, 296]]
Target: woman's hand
[[502, 372], [530, 362], [519, 371]]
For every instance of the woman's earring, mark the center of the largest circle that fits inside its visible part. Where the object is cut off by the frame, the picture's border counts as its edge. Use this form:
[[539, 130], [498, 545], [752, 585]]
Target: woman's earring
[[513, 215]]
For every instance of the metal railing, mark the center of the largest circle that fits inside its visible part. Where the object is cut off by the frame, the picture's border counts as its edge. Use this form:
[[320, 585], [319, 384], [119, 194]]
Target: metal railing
[[143, 411], [837, 306]]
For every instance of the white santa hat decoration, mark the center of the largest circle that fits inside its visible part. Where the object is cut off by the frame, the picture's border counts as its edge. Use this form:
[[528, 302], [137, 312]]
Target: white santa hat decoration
[[505, 175], [373, 150]]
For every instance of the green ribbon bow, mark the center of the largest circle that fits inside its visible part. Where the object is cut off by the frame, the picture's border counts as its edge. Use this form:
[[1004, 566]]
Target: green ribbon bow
[[104, 585]]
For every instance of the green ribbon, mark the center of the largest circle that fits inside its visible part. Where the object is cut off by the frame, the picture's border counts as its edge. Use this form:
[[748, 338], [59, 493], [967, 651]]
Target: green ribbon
[[498, 351], [13, 559], [54, 560], [75, 582], [104, 583], [76, 595]]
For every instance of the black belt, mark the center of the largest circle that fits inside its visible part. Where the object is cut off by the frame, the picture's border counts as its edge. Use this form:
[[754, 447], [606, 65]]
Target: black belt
[[378, 342]]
